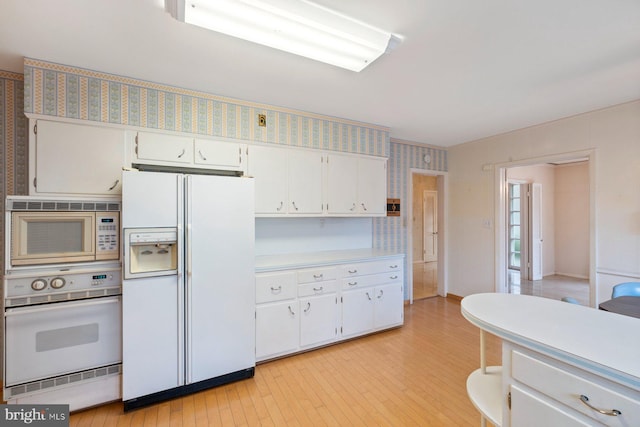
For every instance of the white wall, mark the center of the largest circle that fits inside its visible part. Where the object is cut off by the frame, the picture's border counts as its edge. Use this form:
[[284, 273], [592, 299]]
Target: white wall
[[614, 136], [572, 220]]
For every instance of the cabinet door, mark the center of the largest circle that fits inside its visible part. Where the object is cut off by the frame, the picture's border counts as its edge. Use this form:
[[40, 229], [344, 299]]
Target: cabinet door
[[277, 328], [269, 168], [318, 320], [357, 312], [218, 154], [78, 159], [389, 305], [529, 410], [305, 182], [372, 186], [342, 184], [156, 148]]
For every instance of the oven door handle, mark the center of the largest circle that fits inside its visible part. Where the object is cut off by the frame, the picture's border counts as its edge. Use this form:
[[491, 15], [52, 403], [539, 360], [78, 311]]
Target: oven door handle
[[23, 310]]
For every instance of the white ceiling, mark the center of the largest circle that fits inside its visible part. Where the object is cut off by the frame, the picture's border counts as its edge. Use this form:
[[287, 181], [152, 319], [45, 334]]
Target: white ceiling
[[466, 70]]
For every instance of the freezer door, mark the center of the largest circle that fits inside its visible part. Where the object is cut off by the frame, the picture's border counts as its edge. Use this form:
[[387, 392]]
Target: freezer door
[[151, 199], [151, 350], [220, 269]]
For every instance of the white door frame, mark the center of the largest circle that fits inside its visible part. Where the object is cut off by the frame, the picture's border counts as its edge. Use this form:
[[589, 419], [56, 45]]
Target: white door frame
[[443, 235], [500, 199]]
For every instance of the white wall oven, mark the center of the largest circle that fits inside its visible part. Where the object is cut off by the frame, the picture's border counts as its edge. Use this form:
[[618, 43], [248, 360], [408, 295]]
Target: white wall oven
[[63, 336], [61, 231]]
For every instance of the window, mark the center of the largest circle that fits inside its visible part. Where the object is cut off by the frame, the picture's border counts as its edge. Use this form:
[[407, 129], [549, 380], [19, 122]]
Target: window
[[514, 219]]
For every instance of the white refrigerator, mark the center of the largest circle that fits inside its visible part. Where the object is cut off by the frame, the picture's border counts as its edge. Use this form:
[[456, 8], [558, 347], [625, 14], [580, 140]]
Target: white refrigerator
[[188, 321]]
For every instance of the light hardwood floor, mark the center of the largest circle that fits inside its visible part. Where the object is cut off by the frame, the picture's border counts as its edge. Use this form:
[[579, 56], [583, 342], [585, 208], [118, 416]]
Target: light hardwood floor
[[425, 280], [553, 286], [414, 376]]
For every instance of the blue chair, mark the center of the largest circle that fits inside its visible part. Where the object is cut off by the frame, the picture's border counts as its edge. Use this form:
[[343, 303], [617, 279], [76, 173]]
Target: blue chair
[[570, 300], [626, 289]]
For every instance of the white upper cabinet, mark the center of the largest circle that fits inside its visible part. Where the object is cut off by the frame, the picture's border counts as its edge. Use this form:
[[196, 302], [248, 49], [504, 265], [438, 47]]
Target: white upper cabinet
[[288, 181], [372, 186], [183, 151], [305, 181], [73, 159], [157, 148], [269, 168], [218, 154], [342, 184], [356, 185]]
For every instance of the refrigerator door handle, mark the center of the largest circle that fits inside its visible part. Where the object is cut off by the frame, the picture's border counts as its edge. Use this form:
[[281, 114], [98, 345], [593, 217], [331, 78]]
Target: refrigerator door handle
[[181, 281], [188, 277]]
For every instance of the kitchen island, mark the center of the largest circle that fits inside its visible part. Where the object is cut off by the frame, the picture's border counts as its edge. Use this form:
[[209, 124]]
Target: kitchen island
[[562, 364]]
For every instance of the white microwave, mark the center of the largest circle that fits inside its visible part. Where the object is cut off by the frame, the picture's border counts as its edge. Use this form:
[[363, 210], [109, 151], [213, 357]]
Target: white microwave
[[57, 231]]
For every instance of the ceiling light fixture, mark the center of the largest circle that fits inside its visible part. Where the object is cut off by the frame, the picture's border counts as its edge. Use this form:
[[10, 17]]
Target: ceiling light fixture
[[296, 26]]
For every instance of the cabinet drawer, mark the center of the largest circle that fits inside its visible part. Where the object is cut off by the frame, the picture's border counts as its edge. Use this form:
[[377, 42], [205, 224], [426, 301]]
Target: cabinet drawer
[[275, 287], [311, 275], [310, 289], [371, 280], [567, 384], [371, 267]]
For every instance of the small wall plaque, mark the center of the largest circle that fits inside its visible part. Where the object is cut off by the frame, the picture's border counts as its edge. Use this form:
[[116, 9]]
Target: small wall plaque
[[393, 207]]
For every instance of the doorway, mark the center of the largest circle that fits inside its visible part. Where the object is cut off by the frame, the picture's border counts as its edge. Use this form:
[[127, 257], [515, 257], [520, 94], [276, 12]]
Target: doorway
[[550, 203], [427, 215]]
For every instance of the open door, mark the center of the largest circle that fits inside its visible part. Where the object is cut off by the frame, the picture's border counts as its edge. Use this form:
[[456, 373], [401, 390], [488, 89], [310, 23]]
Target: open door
[[430, 218], [535, 240]]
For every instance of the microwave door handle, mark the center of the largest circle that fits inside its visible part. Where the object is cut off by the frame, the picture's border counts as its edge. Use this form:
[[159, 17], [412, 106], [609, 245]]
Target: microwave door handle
[[40, 309]]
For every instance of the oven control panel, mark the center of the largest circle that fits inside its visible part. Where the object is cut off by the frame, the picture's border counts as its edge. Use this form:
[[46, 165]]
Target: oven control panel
[[62, 282]]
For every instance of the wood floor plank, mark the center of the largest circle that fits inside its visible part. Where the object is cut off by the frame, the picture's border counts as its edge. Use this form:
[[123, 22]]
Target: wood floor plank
[[413, 375]]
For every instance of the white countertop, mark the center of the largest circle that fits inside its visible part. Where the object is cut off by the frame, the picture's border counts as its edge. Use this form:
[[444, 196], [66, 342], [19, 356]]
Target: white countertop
[[314, 259], [602, 342]]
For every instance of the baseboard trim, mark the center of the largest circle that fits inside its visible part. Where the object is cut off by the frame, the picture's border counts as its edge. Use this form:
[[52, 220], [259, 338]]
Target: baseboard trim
[[454, 297]]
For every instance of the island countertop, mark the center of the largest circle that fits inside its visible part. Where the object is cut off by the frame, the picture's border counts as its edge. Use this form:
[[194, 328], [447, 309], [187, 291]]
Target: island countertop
[[598, 341]]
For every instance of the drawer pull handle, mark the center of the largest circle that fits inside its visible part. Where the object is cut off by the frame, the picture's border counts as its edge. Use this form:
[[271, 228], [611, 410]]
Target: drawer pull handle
[[393, 266], [381, 293], [294, 205], [318, 276], [352, 271], [353, 208], [278, 289], [613, 413], [280, 208], [181, 154], [318, 289], [368, 296], [352, 283], [306, 310], [393, 277], [291, 311]]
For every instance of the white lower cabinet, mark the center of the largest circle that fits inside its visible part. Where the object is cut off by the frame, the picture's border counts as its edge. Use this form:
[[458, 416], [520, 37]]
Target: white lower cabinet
[[333, 302], [545, 391], [277, 328], [317, 320]]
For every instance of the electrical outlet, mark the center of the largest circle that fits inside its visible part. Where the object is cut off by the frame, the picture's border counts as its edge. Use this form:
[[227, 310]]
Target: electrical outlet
[[262, 120]]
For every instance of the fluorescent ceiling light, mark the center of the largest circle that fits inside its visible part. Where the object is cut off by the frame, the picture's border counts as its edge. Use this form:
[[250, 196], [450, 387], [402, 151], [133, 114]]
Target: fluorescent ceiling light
[[296, 26]]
